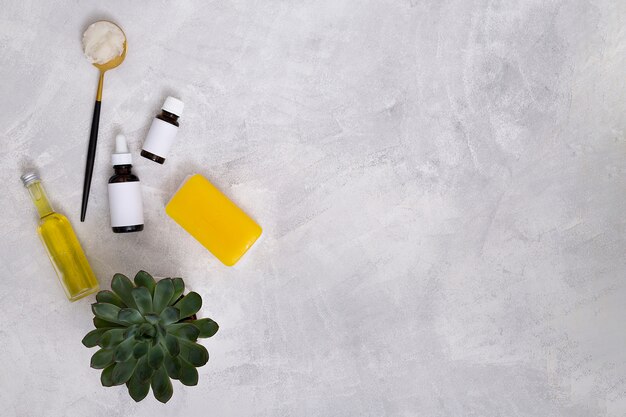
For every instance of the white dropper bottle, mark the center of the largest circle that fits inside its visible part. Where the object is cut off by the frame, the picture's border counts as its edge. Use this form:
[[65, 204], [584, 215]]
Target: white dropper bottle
[[125, 204]]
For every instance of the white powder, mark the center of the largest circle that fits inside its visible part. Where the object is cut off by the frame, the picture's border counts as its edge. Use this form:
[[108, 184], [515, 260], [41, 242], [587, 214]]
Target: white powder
[[103, 41]]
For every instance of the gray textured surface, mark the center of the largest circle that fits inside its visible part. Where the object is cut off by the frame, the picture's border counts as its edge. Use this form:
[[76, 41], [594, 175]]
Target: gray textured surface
[[441, 184]]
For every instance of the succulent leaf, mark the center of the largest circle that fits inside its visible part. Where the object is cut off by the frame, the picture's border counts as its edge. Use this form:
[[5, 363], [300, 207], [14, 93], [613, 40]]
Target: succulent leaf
[[123, 371], [102, 358], [124, 351], [106, 311], [103, 324], [131, 330], [144, 371], [130, 316], [169, 315], [143, 299], [185, 330], [207, 327], [193, 353], [122, 286], [172, 366], [155, 357], [162, 294], [105, 377], [161, 385], [189, 304], [92, 338], [145, 331], [188, 373], [112, 337], [137, 389], [144, 279], [179, 288], [140, 349], [106, 296], [172, 345]]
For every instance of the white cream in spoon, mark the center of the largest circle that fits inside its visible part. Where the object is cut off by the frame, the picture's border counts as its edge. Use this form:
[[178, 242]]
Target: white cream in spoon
[[103, 41]]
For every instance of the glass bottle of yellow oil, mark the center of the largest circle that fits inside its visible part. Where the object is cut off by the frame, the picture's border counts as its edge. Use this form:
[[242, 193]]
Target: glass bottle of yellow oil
[[61, 243]]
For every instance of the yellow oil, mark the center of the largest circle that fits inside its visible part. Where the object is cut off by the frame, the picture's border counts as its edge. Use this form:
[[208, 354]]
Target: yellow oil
[[63, 248]]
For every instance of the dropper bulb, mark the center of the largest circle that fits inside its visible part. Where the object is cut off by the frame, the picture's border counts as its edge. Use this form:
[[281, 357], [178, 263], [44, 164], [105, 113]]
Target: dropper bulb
[[121, 156], [120, 144]]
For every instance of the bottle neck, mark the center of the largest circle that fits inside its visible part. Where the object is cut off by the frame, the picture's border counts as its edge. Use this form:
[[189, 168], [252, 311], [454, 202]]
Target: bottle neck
[[168, 117], [122, 169], [38, 195]]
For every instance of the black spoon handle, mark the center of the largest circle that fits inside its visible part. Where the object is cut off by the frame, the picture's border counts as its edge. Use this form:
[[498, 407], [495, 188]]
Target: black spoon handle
[[91, 157]]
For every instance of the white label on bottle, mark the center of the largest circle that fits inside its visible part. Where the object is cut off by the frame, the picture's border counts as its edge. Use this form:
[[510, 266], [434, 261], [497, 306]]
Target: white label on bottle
[[160, 138], [125, 204]]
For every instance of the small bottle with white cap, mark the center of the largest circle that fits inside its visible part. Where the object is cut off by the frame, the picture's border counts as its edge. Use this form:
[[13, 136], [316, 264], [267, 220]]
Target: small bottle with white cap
[[163, 131], [125, 202]]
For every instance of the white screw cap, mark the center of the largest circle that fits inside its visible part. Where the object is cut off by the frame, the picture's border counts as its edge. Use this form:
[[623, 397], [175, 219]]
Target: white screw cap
[[173, 105]]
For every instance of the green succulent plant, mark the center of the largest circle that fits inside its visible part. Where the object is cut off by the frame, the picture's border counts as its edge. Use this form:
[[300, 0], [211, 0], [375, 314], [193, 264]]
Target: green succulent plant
[[147, 333]]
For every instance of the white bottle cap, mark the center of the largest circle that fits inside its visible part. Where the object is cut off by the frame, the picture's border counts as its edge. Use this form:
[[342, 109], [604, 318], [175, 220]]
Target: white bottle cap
[[173, 105], [121, 155]]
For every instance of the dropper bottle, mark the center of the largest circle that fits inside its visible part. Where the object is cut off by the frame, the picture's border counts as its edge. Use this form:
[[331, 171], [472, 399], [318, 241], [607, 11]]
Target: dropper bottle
[[125, 204], [61, 243]]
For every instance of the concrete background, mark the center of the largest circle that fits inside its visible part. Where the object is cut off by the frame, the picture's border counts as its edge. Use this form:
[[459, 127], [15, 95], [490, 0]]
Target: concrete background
[[441, 185]]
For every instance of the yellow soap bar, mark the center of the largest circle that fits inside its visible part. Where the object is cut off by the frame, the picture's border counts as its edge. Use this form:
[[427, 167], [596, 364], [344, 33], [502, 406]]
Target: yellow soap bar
[[215, 221]]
